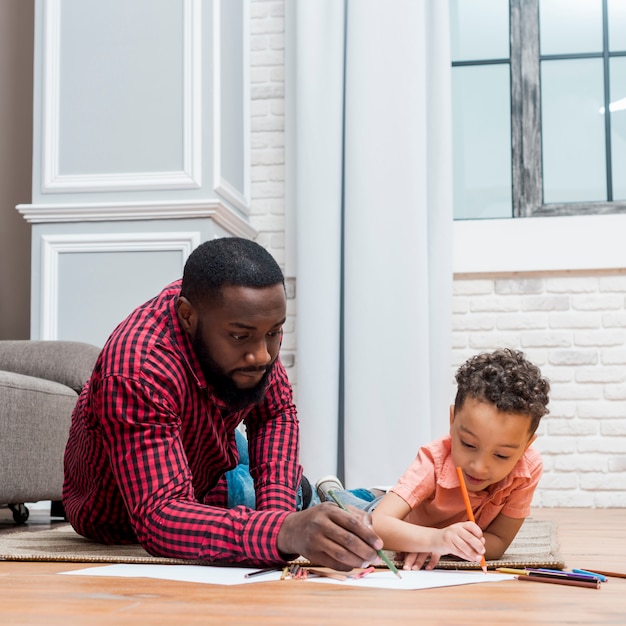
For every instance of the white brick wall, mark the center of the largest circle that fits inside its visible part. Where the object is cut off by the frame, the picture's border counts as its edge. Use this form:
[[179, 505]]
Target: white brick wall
[[267, 143], [574, 328]]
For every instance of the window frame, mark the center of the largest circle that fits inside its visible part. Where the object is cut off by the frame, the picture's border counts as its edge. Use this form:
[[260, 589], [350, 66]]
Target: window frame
[[526, 139], [551, 239]]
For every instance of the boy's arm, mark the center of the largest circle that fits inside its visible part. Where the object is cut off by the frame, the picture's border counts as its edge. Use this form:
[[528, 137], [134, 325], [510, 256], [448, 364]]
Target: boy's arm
[[416, 542], [422, 543], [499, 535], [388, 521]]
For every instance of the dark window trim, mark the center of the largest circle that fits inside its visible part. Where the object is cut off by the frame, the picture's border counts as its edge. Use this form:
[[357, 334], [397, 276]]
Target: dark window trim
[[527, 177], [527, 159]]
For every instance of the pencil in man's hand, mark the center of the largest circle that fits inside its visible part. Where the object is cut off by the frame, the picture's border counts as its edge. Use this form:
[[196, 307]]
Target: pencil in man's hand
[[470, 513], [380, 553]]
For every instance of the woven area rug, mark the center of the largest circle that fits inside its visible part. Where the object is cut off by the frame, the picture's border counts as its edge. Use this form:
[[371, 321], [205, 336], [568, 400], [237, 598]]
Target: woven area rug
[[535, 546]]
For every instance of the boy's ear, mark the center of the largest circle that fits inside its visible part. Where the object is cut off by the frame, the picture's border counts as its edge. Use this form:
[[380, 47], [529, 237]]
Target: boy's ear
[[451, 414]]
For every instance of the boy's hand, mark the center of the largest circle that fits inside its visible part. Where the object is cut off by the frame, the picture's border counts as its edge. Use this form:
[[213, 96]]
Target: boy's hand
[[464, 539], [329, 536]]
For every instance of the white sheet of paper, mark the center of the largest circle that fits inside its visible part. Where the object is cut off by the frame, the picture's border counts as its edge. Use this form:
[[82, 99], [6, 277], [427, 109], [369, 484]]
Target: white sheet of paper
[[421, 579], [186, 573], [380, 579]]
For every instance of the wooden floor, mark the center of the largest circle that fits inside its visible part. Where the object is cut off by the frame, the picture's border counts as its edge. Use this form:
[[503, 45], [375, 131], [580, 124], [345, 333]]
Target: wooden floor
[[33, 593]]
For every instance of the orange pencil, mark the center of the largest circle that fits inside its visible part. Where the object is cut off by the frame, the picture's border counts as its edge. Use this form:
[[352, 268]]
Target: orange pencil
[[470, 513]]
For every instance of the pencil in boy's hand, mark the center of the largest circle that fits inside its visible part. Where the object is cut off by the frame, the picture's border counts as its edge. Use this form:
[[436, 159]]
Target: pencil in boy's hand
[[380, 553], [470, 513]]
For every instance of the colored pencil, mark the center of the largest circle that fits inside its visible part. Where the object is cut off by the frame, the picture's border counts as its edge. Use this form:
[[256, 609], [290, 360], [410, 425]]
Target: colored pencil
[[258, 572], [470, 513], [365, 572], [555, 580], [380, 553], [560, 574], [511, 570], [325, 574], [554, 573], [600, 577], [610, 574]]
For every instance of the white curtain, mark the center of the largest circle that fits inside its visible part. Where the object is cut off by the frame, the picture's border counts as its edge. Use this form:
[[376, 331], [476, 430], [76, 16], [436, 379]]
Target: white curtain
[[370, 151]]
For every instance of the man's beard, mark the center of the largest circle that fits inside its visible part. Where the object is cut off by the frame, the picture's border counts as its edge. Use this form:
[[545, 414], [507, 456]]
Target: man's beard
[[223, 385]]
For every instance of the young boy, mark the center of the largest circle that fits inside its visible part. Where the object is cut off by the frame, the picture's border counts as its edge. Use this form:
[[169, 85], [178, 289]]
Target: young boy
[[500, 399]]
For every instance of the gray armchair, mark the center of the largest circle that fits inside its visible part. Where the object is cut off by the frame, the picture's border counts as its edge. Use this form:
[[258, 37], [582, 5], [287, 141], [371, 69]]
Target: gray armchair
[[39, 386]]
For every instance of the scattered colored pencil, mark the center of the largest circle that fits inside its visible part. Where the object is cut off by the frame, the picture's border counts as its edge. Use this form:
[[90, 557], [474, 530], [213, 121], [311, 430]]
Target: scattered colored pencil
[[511, 570], [556, 576], [325, 574], [380, 553], [601, 577], [561, 574], [610, 574], [365, 572], [470, 513], [532, 571], [595, 584], [258, 572]]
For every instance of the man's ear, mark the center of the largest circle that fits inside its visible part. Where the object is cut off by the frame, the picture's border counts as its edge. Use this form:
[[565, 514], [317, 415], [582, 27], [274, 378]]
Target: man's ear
[[186, 315]]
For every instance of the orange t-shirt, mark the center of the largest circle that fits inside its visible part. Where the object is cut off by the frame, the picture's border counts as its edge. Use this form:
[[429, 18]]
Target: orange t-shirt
[[430, 486]]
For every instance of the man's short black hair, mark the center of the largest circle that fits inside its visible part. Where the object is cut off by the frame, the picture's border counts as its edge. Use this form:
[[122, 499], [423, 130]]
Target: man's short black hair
[[228, 261]]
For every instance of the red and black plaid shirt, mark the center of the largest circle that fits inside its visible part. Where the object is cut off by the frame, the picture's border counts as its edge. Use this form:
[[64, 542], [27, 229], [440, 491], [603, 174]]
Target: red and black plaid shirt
[[149, 445]]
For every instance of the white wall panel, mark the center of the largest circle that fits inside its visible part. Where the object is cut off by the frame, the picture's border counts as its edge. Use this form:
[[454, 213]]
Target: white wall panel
[[90, 282], [88, 276], [144, 101], [141, 142], [231, 102], [121, 95]]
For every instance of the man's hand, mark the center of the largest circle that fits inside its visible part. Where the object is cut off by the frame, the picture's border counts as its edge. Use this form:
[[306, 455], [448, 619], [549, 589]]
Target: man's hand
[[329, 536]]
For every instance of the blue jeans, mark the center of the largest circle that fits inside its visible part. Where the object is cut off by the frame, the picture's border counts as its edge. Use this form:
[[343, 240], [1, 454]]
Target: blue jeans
[[362, 499], [241, 485]]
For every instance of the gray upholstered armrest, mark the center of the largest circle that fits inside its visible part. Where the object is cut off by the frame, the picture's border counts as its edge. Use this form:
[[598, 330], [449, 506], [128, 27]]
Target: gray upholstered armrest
[[67, 362]]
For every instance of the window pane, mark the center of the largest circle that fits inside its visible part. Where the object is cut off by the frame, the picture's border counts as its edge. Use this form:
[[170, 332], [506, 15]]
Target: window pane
[[618, 126], [479, 29], [567, 26], [573, 131], [617, 25], [481, 141]]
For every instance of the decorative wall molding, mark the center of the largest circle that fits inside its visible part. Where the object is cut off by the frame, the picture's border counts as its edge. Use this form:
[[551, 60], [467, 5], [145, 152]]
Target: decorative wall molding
[[225, 190], [190, 177], [53, 246], [126, 211], [240, 198]]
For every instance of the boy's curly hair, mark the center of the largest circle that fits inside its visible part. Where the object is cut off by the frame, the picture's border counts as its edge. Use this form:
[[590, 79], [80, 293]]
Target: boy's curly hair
[[506, 379]]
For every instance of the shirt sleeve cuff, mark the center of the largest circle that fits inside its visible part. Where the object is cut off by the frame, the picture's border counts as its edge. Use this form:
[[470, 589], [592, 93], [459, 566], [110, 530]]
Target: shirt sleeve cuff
[[261, 537]]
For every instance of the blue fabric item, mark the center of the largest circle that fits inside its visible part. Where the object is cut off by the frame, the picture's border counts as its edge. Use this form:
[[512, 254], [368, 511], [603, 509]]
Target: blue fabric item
[[363, 494], [241, 485], [360, 498]]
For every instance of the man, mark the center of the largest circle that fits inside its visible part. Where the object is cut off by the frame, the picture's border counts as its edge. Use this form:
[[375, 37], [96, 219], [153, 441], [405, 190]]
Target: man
[[153, 433]]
